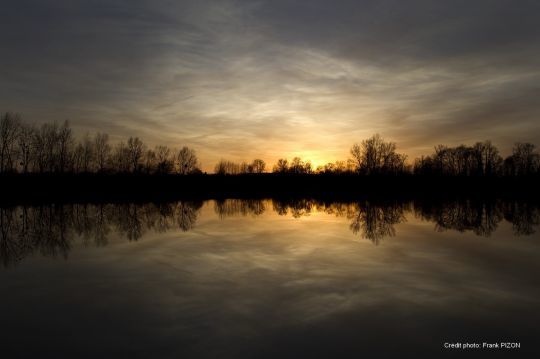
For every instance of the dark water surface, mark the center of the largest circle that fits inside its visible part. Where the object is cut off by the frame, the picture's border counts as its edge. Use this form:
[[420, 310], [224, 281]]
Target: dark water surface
[[269, 279]]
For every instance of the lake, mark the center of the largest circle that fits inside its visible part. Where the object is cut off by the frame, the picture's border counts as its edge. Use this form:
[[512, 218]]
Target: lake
[[296, 278]]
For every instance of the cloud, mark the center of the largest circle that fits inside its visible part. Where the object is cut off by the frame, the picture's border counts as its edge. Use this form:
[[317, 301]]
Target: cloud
[[277, 78]]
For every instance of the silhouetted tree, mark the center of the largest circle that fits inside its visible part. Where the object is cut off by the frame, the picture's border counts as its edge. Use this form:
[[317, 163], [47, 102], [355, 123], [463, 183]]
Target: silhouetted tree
[[525, 160], [224, 167], [135, 152], [164, 162], [258, 166], [487, 159], [482, 159], [87, 155], [245, 168], [39, 157], [26, 135], [121, 158], [50, 135], [77, 159], [282, 166], [337, 167], [150, 162], [296, 166], [64, 138], [9, 129], [102, 151], [187, 161], [375, 156], [52, 148]]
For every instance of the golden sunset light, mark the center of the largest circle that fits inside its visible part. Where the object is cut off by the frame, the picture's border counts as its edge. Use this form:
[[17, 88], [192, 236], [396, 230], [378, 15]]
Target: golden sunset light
[[269, 179], [277, 79]]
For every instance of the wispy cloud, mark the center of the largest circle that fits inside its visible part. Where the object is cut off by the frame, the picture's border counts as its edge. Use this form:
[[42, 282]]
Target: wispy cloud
[[277, 78]]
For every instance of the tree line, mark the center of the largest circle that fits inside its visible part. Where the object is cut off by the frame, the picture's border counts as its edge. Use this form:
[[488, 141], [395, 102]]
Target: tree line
[[480, 159], [375, 156], [53, 148]]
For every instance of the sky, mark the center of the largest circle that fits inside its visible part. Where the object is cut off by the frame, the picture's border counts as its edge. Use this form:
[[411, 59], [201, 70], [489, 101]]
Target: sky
[[268, 79]]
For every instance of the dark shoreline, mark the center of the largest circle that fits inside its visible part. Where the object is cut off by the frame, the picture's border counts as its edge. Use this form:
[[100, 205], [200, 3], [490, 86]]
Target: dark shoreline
[[31, 188]]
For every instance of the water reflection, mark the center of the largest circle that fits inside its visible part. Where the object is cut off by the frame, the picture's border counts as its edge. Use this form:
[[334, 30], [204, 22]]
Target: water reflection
[[523, 216], [50, 229], [479, 217], [371, 220], [239, 207], [377, 221]]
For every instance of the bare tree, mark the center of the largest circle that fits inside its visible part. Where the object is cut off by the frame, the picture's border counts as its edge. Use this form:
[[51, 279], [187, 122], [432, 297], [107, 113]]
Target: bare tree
[[120, 159], [220, 168], [486, 159], [102, 150], [187, 161], [164, 162], [64, 144], [376, 156], [52, 148], [87, 154], [258, 166], [224, 167], [526, 160], [135, 152], [77, 159], [337, 167], [297, 165], [481, 159], [358, 159], [39, 155], [245, 168], [150, 162], [26, 135], [9, 128], [282, 166], [49, 137]]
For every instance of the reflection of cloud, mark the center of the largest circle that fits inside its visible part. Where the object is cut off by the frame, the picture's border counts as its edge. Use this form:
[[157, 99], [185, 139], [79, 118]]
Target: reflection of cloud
[[247, 79], [250, 284]]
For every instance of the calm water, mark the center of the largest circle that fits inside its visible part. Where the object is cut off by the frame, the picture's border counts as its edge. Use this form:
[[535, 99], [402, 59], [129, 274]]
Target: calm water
[[268, 279]]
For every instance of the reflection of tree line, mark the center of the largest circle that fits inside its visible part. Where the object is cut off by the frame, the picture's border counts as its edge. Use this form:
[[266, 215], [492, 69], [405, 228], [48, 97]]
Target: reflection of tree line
[[479, 216], [236, 207], [51, 229], [375, 220], [372, 221]]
